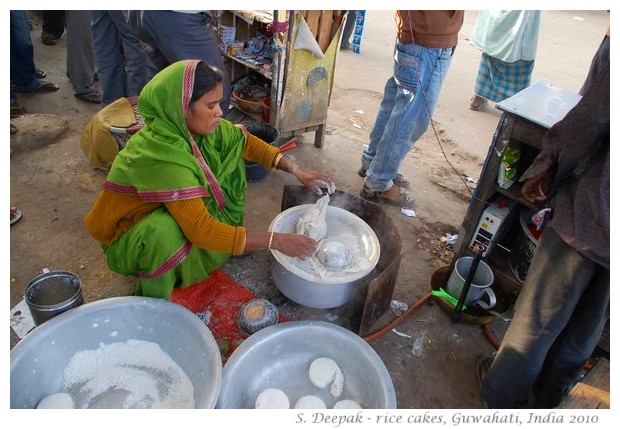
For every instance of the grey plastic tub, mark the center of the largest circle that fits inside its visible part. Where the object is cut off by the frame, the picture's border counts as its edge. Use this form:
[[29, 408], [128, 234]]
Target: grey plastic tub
[[38, 360]]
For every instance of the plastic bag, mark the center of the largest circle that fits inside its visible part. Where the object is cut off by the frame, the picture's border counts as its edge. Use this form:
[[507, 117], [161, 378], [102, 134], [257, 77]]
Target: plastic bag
[[507, 173]]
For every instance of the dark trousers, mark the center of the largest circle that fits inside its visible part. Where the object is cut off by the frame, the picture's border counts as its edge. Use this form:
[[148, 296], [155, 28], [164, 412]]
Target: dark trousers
[[54, 22], [349, 25], [559, 318]]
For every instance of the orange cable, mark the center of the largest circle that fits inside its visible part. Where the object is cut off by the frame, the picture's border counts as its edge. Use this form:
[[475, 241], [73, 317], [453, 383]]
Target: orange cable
[[486, 329], [490, 336], [395, 322]]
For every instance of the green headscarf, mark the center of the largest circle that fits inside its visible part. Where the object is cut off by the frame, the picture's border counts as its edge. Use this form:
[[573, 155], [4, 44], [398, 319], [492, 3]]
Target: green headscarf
[[162, 162]]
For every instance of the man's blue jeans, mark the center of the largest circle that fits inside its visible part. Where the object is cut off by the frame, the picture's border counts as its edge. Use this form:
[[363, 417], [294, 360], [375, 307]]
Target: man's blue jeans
[[23, 70], [409, 100]]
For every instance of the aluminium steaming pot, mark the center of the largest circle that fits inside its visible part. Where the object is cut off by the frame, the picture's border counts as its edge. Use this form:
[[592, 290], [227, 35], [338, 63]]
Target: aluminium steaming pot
[[313, 285]]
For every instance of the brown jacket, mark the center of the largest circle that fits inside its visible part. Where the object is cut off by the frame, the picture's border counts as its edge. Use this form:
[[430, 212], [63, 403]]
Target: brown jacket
[[431, 28]]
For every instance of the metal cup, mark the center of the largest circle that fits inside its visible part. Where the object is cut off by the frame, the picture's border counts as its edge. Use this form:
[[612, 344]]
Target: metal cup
[[480, 285]]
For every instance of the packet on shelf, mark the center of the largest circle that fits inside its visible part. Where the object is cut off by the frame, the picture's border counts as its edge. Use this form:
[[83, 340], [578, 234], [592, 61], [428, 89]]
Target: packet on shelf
[[234, 48], [227, 34], [507, 173]]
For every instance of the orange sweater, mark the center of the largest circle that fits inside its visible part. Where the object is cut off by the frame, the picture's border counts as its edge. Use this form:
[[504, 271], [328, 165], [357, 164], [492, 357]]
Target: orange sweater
[[113, 214]]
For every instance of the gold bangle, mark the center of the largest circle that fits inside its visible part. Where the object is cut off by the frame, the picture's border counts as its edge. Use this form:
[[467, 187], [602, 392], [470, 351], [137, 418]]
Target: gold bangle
[[277, 160], [270, 240]]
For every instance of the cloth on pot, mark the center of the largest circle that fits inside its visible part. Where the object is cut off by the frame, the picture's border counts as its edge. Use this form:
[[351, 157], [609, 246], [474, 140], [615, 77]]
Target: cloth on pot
[[312, 223], [334, 254]]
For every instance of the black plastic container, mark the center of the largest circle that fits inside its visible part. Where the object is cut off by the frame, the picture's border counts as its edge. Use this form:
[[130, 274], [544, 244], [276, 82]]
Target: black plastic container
[[524, 247], [269, 134]]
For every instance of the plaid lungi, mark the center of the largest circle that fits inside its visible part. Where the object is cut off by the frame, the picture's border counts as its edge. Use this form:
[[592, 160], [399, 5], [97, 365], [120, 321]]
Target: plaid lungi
[[498, 80]]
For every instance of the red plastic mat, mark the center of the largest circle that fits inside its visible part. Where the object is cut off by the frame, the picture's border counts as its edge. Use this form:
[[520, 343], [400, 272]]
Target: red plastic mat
[[217, 300]]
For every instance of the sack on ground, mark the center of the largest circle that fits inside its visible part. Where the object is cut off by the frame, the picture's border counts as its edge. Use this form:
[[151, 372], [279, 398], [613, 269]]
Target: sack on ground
[[97, 142]]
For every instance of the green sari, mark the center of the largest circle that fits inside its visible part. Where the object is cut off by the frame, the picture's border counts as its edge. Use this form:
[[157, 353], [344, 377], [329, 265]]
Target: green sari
[[163, 162]]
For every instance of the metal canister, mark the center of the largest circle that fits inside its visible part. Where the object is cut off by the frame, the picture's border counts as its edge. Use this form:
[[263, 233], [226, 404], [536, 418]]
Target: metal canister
[[52, 293]]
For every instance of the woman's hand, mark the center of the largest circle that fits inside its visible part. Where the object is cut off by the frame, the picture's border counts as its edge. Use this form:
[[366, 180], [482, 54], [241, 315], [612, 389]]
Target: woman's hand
[[295, 245], [314, 180]]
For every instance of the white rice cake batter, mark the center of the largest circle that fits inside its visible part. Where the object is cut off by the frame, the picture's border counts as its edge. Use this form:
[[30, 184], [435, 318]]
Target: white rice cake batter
[[310, 402], [325, 371], [346, 404], [272, 398]]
